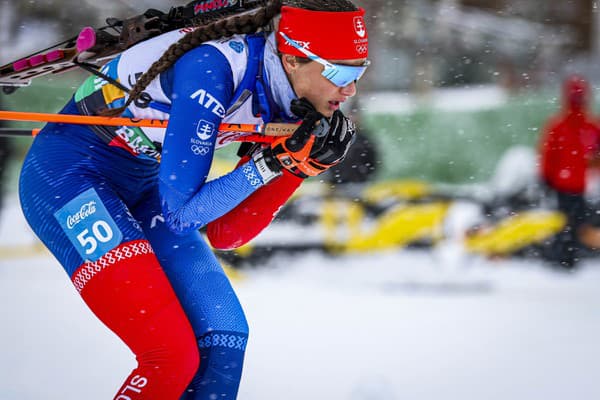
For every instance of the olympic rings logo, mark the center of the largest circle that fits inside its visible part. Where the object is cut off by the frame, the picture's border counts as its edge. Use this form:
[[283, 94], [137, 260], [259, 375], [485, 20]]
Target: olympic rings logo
[[200, 150], [362, 49]]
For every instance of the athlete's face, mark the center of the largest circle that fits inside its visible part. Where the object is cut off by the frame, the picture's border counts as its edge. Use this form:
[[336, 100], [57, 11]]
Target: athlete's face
[[307, 81]]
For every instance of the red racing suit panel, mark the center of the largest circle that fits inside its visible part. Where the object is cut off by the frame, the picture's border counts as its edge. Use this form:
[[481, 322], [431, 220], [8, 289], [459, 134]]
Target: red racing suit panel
[[249, 218]]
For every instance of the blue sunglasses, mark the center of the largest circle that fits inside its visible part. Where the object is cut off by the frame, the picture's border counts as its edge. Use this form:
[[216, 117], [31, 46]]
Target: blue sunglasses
[[338, 74]]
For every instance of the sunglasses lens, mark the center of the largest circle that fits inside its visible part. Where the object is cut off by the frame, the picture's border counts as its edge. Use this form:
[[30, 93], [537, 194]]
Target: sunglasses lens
[[343, 75], [338, 74]]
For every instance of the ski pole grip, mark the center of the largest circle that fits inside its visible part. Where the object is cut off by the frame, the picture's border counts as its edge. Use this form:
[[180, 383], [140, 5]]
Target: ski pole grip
[[280, 129]]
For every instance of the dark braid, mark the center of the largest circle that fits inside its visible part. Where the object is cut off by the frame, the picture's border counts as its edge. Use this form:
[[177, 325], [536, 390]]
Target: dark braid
[[219, 26]]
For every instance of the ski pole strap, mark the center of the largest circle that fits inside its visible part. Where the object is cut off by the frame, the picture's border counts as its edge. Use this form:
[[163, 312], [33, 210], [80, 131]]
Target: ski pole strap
[[93, 69]]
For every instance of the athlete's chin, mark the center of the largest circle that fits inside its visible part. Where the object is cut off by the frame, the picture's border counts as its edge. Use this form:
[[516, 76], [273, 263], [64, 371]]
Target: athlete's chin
[[326, 111]]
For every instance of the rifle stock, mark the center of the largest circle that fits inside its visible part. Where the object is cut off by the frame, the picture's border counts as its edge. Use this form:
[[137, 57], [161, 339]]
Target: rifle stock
[[93, 47]]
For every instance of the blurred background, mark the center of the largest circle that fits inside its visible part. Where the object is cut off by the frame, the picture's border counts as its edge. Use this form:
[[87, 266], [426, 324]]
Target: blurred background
[[434, 263], [503, 61]]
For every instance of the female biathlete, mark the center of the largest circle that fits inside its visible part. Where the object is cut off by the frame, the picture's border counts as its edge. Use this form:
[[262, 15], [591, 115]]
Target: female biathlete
[[120, 208]]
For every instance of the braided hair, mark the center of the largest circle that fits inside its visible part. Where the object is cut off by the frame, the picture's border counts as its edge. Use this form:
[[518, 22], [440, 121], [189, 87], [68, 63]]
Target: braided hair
[[222, 25]]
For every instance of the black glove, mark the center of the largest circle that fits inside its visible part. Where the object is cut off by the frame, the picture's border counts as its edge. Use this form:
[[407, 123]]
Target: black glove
[[315, 146], [331, 149]]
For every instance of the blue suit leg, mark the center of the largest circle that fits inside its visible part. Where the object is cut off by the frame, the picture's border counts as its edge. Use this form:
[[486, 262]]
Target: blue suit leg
[[208, 299]]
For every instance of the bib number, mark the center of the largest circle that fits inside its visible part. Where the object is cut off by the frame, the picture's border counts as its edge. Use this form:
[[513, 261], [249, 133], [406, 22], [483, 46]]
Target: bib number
[[101, 232], [89, 226]]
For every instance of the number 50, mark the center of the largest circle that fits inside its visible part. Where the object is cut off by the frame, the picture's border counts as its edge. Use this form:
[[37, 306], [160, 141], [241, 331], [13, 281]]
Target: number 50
[[101, 232]]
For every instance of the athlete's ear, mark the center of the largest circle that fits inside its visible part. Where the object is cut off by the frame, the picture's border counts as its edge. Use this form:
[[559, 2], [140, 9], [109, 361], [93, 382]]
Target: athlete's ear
[[290, 63]]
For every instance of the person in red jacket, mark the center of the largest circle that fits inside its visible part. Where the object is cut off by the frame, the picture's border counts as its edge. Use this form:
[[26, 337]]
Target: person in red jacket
[[570, 142]]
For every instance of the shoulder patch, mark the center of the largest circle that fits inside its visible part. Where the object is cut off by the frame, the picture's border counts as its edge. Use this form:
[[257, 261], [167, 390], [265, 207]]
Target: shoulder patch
[[238, 47]]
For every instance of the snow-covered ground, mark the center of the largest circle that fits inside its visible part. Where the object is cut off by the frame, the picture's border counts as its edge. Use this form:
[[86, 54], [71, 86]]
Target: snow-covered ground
[[401, 325]]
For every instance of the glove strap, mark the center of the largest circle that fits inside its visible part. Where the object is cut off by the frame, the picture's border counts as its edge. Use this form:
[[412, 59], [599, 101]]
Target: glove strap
[[312, 168], [267, 168]]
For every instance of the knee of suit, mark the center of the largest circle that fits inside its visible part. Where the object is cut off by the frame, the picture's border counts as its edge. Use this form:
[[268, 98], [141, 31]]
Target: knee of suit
[[198, 279], [174, 358]]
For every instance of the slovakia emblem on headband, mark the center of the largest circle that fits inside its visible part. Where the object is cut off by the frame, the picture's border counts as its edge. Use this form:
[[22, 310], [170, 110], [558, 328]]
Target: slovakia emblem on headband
[[359, 26]]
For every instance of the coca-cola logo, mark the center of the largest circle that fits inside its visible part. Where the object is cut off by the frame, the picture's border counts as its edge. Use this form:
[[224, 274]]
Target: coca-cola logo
[[85, 211], [226, 137]]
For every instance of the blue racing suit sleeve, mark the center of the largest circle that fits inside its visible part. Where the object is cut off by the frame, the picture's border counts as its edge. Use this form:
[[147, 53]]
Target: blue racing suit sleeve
[[202, 89]]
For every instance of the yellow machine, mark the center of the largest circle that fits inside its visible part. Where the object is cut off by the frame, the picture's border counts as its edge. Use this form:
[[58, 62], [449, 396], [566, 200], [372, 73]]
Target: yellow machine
[[515, 232], [397, 214], [396, 228]]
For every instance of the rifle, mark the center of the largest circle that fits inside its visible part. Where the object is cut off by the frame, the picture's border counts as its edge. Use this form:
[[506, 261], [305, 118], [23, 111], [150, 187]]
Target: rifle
[[93, 47]]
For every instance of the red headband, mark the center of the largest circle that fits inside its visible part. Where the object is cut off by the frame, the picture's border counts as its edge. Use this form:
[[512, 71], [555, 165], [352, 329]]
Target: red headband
[[333, 35]]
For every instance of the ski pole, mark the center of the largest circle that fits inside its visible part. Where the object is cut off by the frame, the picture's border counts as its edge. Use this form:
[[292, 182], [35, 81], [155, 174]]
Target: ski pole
[[270, 129], [250, 137]]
